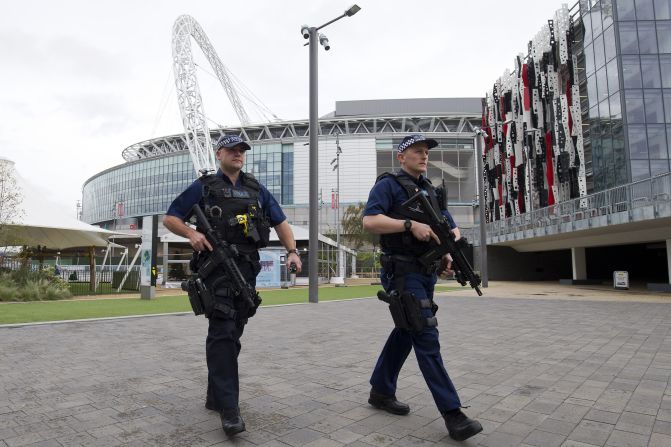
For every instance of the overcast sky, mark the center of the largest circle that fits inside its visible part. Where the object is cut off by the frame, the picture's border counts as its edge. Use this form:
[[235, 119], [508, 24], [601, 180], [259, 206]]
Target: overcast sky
[[82, 80]]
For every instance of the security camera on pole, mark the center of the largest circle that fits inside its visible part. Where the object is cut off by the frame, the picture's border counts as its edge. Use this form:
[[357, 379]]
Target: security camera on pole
[[310, 32]]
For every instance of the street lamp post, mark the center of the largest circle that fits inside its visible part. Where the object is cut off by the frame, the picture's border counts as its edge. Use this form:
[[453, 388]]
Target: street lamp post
[[310, 32], [340, 278], [479, 138]]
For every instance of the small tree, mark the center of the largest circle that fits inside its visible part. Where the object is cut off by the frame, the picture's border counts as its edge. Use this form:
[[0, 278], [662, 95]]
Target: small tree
[[10, 199], [352, 224]]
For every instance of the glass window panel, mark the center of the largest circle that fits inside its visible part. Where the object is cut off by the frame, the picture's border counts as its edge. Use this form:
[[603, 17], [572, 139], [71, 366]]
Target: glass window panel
[[657, 141], [589, 60], [604, 111], [609, 42], [628, 38], [602, 84], [615, 107], [667, 105], [644, 10], [625, 10], [591, 89], [599, 52], [597, 26], [631, 72], [613, 77], [665, 66], [654, 110], [659, 167], [664, 36], [638, 143], [662, 9], [634, 106], [587, 22], [640, 170], [647, 38], [607, 13], [650, 72]]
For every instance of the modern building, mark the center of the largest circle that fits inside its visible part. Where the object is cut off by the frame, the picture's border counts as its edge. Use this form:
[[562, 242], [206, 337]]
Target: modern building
[[577, 166], [157, 170]]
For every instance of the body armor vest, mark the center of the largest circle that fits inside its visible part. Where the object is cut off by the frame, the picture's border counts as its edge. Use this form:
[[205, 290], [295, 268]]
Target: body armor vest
[[235, 212], [404, 243]]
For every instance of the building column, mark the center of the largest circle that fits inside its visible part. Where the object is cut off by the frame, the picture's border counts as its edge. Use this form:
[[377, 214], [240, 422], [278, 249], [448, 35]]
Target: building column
[[579, 261], [354, 275], [664, 287], [165, 264]]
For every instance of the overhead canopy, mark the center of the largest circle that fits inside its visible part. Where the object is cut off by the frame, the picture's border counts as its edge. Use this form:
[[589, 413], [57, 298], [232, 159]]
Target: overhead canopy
[[47, 224]]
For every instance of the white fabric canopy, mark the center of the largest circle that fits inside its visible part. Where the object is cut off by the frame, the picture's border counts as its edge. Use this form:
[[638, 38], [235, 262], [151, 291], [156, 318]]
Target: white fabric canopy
[[50, 225]]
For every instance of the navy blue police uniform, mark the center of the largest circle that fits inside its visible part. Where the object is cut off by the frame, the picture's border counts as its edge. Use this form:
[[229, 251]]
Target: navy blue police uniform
[[224, 330], [385, 195]]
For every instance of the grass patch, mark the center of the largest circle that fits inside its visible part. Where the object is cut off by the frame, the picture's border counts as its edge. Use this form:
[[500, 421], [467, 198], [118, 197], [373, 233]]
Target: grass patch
[[11, 313]]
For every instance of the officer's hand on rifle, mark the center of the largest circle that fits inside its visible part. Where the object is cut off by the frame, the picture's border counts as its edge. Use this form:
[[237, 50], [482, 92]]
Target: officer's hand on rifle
[[423, 232], [446, 266], [198, 241]]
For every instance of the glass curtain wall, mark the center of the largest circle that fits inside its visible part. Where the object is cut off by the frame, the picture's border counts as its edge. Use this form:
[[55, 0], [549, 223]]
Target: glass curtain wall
[[645, 43], [136, 189], [453, 161]]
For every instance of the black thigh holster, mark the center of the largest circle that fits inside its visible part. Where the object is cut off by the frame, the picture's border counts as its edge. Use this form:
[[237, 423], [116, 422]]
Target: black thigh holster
[[200, 298], [406, 310]]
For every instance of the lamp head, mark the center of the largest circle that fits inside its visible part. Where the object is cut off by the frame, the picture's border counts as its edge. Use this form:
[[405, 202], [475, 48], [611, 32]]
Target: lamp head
[[352, 10]]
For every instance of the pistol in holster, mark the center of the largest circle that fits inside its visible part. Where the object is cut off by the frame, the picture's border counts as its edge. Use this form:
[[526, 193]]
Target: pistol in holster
[[406, 310], [200, 298]]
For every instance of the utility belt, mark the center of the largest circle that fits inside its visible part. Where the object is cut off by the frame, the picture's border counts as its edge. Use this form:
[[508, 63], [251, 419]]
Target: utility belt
[[206, 290], [399, 265], [204, 301]]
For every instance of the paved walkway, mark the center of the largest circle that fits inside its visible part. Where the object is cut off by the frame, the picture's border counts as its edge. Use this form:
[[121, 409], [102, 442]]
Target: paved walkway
[[537, 371]]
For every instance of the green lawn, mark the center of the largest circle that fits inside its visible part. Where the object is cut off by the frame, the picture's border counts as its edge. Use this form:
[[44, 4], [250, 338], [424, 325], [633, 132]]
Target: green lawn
[[115, 307]]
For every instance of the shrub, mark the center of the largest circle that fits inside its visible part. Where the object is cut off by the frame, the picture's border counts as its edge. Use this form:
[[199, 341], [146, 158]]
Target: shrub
[[27, 285]]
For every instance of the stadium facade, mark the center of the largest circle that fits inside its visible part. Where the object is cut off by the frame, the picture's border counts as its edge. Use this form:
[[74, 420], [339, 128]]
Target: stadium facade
[[368, 132], [577, 166]]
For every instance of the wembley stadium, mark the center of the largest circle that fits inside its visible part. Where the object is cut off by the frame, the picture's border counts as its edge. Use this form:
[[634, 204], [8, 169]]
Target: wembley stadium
[[157, 170]]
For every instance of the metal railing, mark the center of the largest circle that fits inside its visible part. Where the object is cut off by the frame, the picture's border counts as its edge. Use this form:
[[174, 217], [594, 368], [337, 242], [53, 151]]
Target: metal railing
[[636, 201]]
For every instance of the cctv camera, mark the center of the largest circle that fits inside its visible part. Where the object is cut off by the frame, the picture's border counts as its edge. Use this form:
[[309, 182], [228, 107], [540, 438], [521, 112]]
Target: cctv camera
[[305, 31], [323, 40]]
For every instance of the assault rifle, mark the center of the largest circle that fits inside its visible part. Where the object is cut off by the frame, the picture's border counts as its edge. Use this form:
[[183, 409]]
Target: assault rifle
[[463, 272], [224, 256]]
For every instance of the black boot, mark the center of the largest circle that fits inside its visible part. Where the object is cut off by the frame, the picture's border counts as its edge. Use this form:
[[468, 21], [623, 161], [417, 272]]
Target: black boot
[[388, 403], [231, 421], [459, 426]]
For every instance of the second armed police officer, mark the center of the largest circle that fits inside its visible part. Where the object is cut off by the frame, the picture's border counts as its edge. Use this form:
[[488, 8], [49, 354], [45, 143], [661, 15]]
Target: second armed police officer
[[403, 240], [241, 211]]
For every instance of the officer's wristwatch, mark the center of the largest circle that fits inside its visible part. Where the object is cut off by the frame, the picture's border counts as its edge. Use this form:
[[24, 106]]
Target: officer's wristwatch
[[407, 224], [293, 250]]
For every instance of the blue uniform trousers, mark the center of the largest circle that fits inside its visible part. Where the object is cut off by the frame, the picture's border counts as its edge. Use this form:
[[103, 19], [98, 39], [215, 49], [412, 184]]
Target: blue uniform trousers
[[425, 344], [222, 348]]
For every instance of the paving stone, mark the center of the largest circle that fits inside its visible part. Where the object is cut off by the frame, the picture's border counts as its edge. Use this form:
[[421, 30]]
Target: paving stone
[[534, 372], [659, 440], [591, 432], [626, 439], [544, 439], [635, 423]]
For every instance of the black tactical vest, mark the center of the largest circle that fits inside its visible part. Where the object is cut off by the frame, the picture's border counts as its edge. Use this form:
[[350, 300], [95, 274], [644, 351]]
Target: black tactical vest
[[235, 212], [404, 243]]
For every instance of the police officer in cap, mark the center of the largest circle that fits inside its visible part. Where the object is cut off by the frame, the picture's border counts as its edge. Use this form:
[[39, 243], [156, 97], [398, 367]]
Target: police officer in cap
[[403, 240], [241, 210]]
